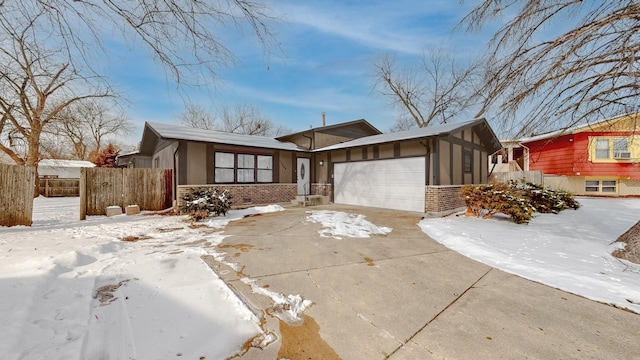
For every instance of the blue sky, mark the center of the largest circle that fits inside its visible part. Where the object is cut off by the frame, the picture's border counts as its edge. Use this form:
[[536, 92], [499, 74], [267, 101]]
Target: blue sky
[[323, 64]]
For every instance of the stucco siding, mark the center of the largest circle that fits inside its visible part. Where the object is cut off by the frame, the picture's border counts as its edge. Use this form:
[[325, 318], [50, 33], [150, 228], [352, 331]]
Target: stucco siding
[[196, 163], [163, 159], [322, 140], [457, 165], [412, 148], [385, 151], [444, 160]]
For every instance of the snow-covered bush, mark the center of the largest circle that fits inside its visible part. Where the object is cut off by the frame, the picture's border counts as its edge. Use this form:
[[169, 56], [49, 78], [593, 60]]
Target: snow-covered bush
[[487, 200], [546, 200], [519, 200], [202, 203]]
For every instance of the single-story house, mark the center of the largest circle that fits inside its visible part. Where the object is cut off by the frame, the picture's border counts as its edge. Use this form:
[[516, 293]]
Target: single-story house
[[352, 163], [62, 169]]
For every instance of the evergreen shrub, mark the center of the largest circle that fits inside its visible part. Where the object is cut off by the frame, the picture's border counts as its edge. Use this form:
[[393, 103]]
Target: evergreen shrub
[[202, 203], [519, 200]]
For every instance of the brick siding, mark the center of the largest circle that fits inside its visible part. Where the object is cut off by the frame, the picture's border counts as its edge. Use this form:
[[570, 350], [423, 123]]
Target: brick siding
[[442, 199], [258, 194]]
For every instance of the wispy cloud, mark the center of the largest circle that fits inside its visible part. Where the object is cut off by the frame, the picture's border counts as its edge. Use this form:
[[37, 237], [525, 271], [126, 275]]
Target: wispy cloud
[[400, 26]]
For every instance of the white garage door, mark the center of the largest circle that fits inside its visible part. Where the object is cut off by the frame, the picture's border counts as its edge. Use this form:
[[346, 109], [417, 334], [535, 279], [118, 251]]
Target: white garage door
[[392, 184]]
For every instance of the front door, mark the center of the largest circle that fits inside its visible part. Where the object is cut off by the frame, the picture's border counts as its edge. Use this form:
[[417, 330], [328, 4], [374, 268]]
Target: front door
[[304, 173]]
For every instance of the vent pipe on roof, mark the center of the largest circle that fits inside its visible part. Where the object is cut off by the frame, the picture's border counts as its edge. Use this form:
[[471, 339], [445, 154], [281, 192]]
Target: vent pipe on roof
[[323, 119]]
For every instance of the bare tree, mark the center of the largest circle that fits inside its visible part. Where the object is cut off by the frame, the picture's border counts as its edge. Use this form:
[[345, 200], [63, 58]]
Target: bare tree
[[198, 117], [48, 52], [439, 89], [85, 124], [244, 118], [180, 35], [35, 86], [542, 78]]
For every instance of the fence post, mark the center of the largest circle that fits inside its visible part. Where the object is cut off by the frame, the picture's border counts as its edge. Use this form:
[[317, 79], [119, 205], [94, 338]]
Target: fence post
[[83, 193]]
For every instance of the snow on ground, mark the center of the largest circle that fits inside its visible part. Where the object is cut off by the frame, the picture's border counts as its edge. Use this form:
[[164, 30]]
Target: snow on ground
[[74, 289], [337, 224], [570, 251]]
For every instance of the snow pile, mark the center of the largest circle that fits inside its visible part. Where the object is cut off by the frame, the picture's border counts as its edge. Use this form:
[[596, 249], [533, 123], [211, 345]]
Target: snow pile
[[222, 221], [570, 251], [337, 224], [286, 308], [120, 288]]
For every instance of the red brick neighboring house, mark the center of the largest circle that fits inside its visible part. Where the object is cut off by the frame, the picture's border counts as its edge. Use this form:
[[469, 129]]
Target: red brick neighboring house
[[598, 159]]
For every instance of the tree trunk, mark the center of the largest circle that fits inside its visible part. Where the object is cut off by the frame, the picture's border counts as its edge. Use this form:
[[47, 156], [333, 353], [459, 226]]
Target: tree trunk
[[33, 156], [631, 239]]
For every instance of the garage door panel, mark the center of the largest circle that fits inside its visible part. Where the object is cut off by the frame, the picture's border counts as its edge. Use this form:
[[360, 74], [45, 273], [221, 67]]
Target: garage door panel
[[394, 184]]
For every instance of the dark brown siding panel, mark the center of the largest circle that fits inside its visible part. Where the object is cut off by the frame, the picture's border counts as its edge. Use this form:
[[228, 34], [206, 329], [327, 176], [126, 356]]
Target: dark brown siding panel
[[209, 165]]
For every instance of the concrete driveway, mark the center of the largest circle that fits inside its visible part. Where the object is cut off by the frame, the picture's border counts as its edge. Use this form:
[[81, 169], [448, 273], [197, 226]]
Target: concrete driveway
[[405, 296]]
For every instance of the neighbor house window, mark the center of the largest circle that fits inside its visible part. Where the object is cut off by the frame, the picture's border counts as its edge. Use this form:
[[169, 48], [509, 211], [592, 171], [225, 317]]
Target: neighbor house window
[[265, 169], [243, 168], [605, 186], [602, 148], [609, 186], [592, 186], [224, 167], [467, 161], [620, 144]]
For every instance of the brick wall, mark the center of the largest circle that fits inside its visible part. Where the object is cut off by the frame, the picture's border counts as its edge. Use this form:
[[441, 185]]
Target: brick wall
[[442, 199], [258, 194]]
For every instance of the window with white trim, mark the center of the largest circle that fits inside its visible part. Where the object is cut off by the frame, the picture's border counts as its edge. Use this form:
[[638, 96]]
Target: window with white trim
[[592, 185], [609, 186], [620, 144], [602, 149], [603, 186]]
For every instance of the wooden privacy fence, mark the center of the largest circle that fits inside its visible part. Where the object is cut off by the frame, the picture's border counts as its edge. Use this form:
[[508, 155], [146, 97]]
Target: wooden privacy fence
[[50, 187], [16, 194], [151, 189], [536, 177]]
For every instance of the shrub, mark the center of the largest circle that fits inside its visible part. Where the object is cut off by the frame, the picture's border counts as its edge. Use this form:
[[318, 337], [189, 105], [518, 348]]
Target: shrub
[[487, 200], [519, 200], [201, 203], [546, 200]]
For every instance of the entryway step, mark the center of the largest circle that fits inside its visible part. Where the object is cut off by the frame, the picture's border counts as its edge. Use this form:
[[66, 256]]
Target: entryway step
[[310, 200]]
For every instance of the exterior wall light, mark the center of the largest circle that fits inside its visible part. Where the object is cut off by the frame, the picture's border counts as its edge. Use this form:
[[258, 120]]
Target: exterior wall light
[[321, 162]]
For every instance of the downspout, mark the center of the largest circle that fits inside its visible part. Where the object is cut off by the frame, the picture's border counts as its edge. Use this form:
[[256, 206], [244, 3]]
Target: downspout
[[175, 175]]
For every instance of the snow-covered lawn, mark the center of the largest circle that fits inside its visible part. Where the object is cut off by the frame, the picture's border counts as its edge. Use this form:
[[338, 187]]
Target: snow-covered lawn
[[73, 289], [570, 251]]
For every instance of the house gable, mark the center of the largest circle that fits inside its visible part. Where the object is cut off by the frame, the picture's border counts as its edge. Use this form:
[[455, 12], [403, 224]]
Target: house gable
[[332, 134]]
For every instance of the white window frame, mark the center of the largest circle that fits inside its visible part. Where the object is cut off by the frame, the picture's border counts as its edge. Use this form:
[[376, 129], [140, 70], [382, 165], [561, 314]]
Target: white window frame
[[601, 186], [600, 150]]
